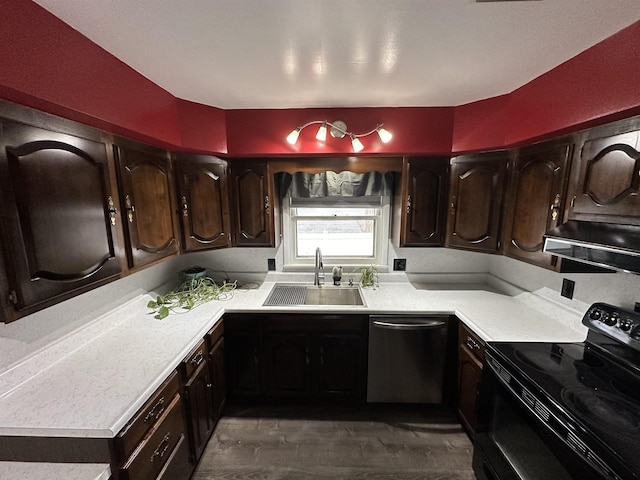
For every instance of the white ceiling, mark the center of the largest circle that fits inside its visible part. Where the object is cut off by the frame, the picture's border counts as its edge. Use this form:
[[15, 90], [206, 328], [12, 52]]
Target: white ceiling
[[343, 53]]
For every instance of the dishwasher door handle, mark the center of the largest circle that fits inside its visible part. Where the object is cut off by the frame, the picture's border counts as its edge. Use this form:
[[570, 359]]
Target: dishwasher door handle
[[409, 326]]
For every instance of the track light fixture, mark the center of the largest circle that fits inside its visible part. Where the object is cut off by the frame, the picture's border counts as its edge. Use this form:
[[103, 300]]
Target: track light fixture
[[338, 129]]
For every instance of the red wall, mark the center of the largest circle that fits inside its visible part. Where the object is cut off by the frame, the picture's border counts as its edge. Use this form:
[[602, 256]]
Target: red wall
[[47, 65], [596, 86], [415, 131]]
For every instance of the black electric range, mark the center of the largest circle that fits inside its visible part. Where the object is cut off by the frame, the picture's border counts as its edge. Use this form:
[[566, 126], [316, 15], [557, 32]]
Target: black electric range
[[579, 401]]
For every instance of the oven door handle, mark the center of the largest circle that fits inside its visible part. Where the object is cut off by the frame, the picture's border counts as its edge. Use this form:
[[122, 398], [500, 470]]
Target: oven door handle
[[427, 324]]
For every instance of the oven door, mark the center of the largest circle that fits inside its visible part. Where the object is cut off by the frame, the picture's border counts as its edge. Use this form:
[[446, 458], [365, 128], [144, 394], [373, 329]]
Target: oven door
[[513, 443]]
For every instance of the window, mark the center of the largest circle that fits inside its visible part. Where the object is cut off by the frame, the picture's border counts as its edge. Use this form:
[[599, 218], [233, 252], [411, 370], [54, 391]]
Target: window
[[349, 231]]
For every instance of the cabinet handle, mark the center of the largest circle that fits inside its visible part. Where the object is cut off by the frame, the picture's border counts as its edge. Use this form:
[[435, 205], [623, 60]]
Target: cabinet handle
[[408, 204], [152, 413], [113, 211], [472, 344], [267, 205], [198, 359], [209, 385], [555, 207], [162, 448], [130, 208], [573, 201], [185, 206], [453, 203], [306, 352]]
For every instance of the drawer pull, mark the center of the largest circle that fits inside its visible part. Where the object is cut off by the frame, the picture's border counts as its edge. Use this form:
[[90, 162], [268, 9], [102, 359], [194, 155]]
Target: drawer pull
[[197, 360], [153, 414], [162, 448], [472, 344]]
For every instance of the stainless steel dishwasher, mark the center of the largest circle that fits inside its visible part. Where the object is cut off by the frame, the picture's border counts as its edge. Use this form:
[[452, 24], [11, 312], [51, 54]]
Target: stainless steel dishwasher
[[407, 356]]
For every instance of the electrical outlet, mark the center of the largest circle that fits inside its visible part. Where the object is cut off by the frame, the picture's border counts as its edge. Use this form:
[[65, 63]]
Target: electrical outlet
[[567, 288], [399, 264], [271, 264]]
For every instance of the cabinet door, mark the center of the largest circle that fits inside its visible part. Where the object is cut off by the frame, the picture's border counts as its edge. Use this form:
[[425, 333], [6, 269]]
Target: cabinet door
[[469, 376], [424, 211], [288, 364], [253, 204], [198, 405], [242, 361], [608, 180], [342, 366], [203, 202], [59, 216], [535, 201], [146, 192], [218, 379], [475, 201]]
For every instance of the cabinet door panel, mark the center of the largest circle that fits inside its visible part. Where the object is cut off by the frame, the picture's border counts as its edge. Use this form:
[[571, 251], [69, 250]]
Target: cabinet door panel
[[609, 178], [288, 364], [535, 201], [254, 205], [146, 198], [243, 362], [477, 188], [58, 202], [425, 202], [342, 369], [218, 378], [469, 376], [198, 393], [204, 204]]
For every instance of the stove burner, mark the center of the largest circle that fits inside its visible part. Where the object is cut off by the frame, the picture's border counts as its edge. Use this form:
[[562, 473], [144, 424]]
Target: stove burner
[[610, 413], [551, 360]]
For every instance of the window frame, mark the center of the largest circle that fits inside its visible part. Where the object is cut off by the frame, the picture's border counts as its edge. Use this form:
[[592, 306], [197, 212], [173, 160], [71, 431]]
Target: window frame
[[382, 230]]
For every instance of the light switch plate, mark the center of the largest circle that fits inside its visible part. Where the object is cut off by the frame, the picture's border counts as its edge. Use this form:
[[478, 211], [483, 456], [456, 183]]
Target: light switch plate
[[567, 288], [271, 264], [399, 264]]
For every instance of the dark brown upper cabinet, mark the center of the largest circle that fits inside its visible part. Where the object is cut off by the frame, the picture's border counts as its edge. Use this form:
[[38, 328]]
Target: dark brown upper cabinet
[[605, 183], [146, 192], [255, 206], [535, 201], [59, 217], [421, 203], [203, 201], [475, 201]]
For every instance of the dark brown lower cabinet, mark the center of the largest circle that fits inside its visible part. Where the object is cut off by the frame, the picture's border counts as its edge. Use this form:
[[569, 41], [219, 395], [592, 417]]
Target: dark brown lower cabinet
[[215, 340], [341, 370], [198, 404], [154, 443], [470, 358], [297, 356]]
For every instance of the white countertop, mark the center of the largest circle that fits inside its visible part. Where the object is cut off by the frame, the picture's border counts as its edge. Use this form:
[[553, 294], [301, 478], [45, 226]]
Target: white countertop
[[90, 383], [54, 471]]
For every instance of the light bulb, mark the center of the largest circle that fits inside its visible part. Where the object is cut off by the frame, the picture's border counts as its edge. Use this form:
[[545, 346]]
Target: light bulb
[[322, 132], [292, 138], [385, 136], [356, 144]]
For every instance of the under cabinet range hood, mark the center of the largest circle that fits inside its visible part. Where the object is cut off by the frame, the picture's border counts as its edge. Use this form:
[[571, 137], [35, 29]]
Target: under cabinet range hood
[[606, 245]]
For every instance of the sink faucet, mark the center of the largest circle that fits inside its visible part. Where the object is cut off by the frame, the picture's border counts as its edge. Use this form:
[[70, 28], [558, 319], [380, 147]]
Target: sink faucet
[[318, 278]]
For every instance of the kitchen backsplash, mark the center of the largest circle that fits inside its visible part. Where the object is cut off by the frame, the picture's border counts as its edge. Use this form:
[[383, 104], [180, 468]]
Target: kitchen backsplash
[[29, 334]]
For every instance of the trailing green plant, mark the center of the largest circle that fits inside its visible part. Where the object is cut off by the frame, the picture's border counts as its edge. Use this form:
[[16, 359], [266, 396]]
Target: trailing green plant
[[191, 293], [369, 276]]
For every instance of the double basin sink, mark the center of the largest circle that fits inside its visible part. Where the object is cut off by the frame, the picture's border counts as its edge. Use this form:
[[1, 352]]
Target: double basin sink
[[296, 294]]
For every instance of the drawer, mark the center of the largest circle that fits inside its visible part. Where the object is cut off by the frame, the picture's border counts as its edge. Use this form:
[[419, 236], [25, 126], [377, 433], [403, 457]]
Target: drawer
[[157, 446], [131, 435], [179, 465], [469, 340], [215, 333], [193, 360]]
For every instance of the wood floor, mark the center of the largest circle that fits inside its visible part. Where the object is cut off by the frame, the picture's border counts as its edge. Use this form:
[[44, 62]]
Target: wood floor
[[370, 442]]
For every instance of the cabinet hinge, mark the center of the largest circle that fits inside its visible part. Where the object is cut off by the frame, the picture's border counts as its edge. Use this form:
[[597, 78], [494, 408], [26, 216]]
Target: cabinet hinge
[[13, 297]]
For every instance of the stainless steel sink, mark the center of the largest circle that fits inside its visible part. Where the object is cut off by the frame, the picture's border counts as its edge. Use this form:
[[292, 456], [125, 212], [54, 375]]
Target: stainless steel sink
[[291, 295]]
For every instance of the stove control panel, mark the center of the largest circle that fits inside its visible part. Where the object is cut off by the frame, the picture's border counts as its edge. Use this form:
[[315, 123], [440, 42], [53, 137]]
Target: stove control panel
[[621, 324]]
